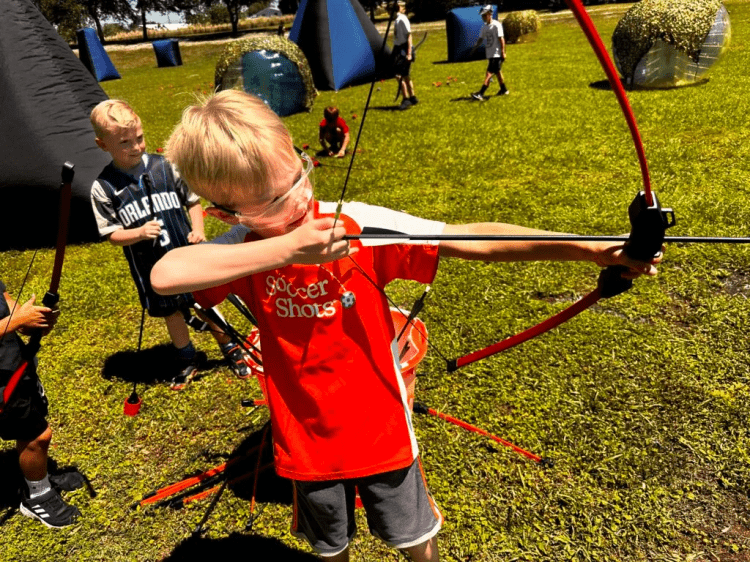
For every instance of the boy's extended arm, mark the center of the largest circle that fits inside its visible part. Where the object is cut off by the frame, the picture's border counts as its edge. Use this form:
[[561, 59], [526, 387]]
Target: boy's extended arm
[[602, 253], [193, 268], [197, 234]]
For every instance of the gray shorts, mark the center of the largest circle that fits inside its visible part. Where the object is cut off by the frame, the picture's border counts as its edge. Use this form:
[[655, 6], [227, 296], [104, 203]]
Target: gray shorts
[[400, 510]]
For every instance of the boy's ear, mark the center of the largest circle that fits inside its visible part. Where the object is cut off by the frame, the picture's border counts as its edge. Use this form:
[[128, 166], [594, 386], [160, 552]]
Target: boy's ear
[[222, 215], [101, 144]]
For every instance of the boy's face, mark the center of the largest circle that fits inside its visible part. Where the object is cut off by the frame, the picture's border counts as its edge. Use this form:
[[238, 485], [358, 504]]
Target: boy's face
[[287, 204], [487, 17], [126, 145]]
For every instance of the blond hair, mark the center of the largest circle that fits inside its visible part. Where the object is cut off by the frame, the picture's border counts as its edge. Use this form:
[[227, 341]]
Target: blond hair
[[231, 145], [113, 115]]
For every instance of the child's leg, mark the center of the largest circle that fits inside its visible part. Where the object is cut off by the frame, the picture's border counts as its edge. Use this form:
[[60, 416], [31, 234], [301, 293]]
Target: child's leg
[[503, 87], [178, 330], [487, 78], [221, 338], [233, 353], [405, 87], [32, 456], [401, 511], [409, 88], [425, 552]]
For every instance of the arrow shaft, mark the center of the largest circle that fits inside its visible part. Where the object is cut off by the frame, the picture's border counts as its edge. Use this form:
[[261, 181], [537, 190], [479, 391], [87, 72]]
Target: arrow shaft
[[545, 238]]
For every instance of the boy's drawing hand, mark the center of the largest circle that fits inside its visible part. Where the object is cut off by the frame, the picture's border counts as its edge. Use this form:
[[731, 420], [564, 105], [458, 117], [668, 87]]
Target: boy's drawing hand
[[36, 317], [340, 154], [195, 237], [318, 242], [608, 254], [150, 230]]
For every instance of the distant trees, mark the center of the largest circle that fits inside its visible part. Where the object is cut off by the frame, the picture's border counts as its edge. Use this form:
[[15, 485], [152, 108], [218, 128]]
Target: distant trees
[[65, 15], [430, 10]]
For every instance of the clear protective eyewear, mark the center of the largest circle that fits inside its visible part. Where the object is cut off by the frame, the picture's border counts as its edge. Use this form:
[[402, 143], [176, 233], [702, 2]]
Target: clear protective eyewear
[[286, 208]]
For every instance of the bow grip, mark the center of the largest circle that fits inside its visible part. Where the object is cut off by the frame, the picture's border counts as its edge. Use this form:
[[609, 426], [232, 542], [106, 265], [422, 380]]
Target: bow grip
[[648, 223]]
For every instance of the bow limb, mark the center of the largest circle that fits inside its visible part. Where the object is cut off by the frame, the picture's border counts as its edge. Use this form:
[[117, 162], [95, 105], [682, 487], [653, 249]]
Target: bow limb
[[589, 29], [648, 220], [51, 298]]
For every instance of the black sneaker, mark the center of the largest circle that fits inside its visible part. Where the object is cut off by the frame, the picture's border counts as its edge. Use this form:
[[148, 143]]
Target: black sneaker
[[189, 371], [414, 100], [235, 357], [503, 92], [67, 481], [405, 104], [50, 509], [477, 96]]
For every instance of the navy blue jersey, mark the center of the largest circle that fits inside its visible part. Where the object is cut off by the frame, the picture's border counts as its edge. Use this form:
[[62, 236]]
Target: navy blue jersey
[[121, 200], [10, 343]]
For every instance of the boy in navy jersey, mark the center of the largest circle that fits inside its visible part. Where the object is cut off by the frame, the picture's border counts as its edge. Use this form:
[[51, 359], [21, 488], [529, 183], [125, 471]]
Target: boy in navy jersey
[[326, 332], [147, 219]]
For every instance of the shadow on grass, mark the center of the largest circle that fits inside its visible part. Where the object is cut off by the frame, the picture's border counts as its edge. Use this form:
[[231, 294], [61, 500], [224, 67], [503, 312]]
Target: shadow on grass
[[387, 107], [469, 98], [152, 365], [255, 547], [240, 471], [605, 85]]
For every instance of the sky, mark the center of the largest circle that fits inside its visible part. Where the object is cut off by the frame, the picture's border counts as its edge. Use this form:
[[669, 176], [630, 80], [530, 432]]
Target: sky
[[172, 17]]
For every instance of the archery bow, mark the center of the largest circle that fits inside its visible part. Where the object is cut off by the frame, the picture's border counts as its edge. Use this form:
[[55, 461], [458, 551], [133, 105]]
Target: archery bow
[[648, 220], [51, 298]]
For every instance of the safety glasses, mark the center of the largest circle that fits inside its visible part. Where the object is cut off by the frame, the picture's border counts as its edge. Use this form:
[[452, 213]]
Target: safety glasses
[[286, 208]]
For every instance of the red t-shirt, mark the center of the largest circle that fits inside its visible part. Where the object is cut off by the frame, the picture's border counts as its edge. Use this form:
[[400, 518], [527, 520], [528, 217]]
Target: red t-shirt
[[337, 400], [340, 124]]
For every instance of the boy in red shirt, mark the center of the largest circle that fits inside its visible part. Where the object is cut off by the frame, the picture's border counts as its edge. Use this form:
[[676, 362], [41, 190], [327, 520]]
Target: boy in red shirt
[[327, 337], [334, 133]]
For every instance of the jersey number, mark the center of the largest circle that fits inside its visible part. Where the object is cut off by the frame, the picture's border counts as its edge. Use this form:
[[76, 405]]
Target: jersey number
[[164, 239]]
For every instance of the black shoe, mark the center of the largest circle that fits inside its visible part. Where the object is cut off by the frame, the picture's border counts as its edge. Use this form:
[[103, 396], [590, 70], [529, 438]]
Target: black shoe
[[50, 509], [67, 481], [188, 372], [236, 360], [414, 100], [503, 92], [477, 96], [405, 104]]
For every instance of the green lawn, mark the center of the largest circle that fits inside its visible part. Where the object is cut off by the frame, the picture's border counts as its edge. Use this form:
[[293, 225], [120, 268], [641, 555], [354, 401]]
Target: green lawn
[[642, 402]]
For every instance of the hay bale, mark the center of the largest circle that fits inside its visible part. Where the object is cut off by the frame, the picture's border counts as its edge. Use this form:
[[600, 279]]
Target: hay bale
[[518, 24]]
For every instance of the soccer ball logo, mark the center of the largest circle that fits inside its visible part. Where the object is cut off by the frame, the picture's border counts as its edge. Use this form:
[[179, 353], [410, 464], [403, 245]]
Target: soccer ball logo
[[347, 299]]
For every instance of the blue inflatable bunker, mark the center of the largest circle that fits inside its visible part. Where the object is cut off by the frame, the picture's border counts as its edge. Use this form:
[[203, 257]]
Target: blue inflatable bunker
[[167, 52], [340, 43], [94, 57]]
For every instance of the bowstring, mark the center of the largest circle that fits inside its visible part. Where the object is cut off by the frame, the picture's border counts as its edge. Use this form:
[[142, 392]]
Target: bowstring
[[378, 61], [20, 293], [340, 203]]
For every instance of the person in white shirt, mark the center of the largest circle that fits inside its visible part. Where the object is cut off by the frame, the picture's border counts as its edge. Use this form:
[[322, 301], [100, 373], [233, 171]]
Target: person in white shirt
[[403, 54], [494, 49]]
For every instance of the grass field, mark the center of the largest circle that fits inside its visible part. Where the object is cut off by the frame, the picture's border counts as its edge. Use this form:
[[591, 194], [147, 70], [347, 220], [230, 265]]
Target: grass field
[[642, 402]]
